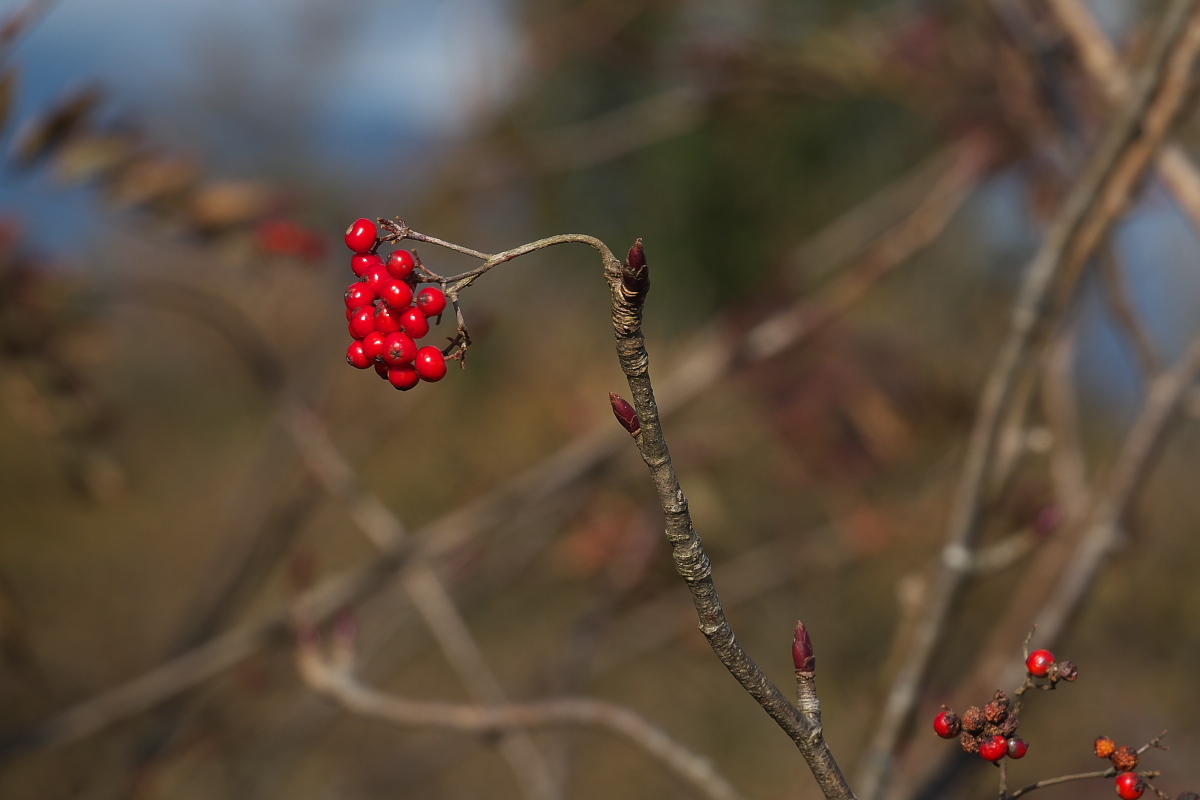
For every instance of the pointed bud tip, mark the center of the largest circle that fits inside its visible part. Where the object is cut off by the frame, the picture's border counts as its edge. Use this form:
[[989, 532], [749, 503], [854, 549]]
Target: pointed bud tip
[[802, 651], [637, 256], [625, 414]]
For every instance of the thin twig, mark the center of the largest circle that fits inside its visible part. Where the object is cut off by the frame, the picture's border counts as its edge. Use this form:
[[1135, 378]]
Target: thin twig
[[342, 686], [1089, 211], [1116, 295]]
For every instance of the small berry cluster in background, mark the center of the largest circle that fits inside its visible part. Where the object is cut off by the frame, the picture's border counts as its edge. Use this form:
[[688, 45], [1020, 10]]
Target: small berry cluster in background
[[387, 315], [989, 731]]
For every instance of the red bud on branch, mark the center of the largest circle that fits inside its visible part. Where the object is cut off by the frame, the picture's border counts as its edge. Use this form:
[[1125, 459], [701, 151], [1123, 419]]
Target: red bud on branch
[[802, 651], [635, 276], [625, 414]]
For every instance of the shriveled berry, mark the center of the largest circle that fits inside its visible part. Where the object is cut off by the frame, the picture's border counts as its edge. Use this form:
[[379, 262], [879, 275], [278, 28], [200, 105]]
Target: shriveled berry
[[414, 323], [361, 235], [355, 356], [430, 364], [973, 720], [361, 261], [403, 377], [359, 294], [1038, 663], [375, 275], [362, 322], [993, 749], [398, 348], [997, 710], [400, 264], [387, 320], [1105, 747], [373, 345], [1130, 786], [1009, 726], [431, 301], [947, 724], [1068, 671], [969, 742], [1017, 747], [1125, 758], [396, 294]]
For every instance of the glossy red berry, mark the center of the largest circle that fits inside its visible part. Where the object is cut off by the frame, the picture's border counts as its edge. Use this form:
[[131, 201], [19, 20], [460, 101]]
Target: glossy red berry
[[430, 364], [401, 264], [359, 294], [414, 322], [373, 345], [361, 261], [403, 377], [381, 369], [375, 276], [361, 235], [356, 357], [994, 748], [431, 301], [387, 320], [1017, 747], [1130, 785], [362, 322], [398, 348], [396, 294], [1038, 663], [947, 724]]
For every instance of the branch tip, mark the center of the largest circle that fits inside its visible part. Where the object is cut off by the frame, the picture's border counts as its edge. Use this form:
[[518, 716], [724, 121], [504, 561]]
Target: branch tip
[[635, 275]]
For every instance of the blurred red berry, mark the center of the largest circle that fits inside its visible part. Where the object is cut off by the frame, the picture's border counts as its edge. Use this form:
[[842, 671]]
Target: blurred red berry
[[1130, 785], [396, 294], [947, 724], [994, 748], [430, 364], [401, 264], [359, 263], [356, 356], [1039, 662], [359, 294], [431, 301], [1017, 747], [361, 235], [403, 377], [362, 322]]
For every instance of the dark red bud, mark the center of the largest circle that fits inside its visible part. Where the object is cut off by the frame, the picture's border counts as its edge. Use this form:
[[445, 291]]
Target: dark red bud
[[635, 275], [625, 414], [802, 651]]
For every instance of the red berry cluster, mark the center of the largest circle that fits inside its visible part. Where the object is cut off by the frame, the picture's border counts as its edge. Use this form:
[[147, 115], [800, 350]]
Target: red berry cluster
[[1124, 759], [386, 316], [1041, 664], [987, 731]]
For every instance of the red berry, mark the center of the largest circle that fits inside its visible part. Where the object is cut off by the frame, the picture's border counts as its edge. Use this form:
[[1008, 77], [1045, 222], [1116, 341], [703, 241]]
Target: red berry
[[360, 236], [362, 322], [359, 294], [431, 301], [414, 322], [375, 275], [360, 262], [1039, 662], [387, 320], [401, 263], [1017, 747], [349, 313], [381, 369], [355, 356], [398, 348], [403, 377], [1130, 785], [994, 748], [430, 364], [396, 294], [373, 345], [947, 724]]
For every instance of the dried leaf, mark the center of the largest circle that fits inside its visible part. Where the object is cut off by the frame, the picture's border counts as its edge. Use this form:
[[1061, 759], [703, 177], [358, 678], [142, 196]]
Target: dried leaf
[[227, 203], [85, 158], [151, 178], [41, 136]]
